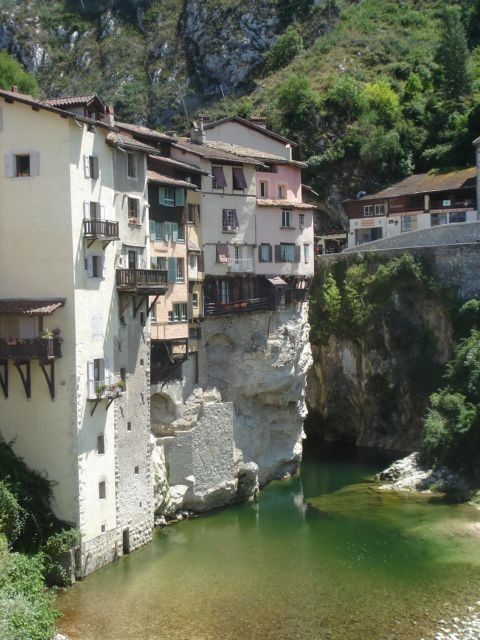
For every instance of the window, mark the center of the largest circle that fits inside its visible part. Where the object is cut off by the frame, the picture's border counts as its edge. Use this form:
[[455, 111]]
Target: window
[[129, 426], [180, 233], [368, 211], [90, 166], [158, 262], [281, 191], [180, 270], [102, 490], [286, 219], [100, 445], [223, 255], [301, 220], [132, 259], [229, 220], [169, 199], [191, 210], [178, 312], [306, 253], [195, 301], [21, 165], [457, 216], [265, 253], [436, 219], [193, 261], [97, 327], [287, 252], [153, 313], [379, 209], [133, 210], [263, 189], [95, 266], [239, 182], [408, 223], [137, 470], [131, 165], [218, 179], [97, 376]]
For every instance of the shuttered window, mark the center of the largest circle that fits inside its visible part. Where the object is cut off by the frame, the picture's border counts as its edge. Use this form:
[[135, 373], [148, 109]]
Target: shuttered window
[[222, 253], [287, 252], [131, 165], [239, 181], [133, 207], [172, 270], [265, 253], [90, 166], [229, 220], [218, 180], [22, 165], [96, 267]]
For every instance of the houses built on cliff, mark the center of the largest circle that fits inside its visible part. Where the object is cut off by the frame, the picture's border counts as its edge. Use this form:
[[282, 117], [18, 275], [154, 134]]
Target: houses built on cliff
[[116, 241], [421, 201]]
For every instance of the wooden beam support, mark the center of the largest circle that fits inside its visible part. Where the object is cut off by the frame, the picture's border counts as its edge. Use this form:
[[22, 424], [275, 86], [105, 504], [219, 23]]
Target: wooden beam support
[[110, 400], [25, 376], [124, 298], [89, 244], [4, 377], [95, 405], [49, 378], [149, 308], [136, 307]]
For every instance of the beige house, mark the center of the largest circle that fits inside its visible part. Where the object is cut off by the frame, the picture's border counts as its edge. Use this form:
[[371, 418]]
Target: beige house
[[74, 343]]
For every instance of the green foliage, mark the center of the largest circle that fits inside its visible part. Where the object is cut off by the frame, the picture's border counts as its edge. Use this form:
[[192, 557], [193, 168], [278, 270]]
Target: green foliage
[[297, 102], [452, 57], [12, 73], [451, 434], [288, 11], [468, 317], [345, 99], [56, 551], [285, 48], [31, 492], [383, 102], [25, 606], [12, 516]]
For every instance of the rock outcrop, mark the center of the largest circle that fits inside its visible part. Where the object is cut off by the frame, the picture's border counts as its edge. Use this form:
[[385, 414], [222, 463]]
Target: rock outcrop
[[218, 441]]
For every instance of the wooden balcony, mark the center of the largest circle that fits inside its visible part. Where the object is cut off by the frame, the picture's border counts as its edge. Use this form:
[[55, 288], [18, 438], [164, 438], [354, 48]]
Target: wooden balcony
[[20, 349], [146, 281], [240, 306], [106, 230]]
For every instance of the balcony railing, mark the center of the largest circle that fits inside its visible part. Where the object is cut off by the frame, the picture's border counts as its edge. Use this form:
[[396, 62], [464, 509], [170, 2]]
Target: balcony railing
[[241, 306], [141, 278], [100, 229], [111, 387], [240, 265], [30, 349]]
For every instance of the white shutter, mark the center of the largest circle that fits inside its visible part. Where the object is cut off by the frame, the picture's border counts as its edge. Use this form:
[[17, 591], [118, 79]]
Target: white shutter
[[34, 163], [90, 379], [86, 210], [104, 266], [86, 165], [89, 267], [102, 212], [106, 370], [9, 162]]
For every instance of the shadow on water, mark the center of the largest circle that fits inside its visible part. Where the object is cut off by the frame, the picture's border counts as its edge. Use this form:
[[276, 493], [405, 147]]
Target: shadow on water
[[321, 556]]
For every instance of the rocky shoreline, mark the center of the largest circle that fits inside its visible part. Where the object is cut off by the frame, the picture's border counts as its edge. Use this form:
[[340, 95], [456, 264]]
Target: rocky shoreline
[[465, 628]]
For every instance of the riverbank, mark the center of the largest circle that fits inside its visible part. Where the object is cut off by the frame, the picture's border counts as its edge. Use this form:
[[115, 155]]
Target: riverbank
[[464, 628]]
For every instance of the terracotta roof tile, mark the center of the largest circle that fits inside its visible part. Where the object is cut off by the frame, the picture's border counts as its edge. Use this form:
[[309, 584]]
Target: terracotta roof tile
[[70, 100], [123, 139], [30, 307], [177, 163], [284, 204], [145, 131], [154, 176], [214, 153]]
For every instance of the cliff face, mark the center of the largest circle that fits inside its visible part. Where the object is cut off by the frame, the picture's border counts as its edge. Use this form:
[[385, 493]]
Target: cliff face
[[376, 396], [242, 426]]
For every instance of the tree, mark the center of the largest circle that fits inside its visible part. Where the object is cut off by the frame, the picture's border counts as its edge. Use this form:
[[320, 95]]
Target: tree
[[13, 74], [284, 49], [452, 57], [297, 102]]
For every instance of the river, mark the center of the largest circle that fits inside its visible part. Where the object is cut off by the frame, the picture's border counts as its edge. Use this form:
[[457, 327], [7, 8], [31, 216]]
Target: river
[[322, 556]]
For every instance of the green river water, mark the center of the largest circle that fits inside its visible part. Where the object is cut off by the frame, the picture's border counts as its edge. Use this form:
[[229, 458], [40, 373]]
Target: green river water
[[322, 556]]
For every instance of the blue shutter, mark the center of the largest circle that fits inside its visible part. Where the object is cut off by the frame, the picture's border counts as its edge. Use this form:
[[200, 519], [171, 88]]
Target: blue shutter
[[181, 233], [174, 231], [159, 230], [179, 197], [152, 226], [161, 195], [168, 231], [172, 270]]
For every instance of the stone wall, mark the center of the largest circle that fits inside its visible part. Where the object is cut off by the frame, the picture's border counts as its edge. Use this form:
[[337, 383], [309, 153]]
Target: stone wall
[[241, 426]]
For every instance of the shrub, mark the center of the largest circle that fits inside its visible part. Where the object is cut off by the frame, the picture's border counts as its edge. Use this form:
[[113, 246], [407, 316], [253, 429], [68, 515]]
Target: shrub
[[284, 49], [468, 317], [12, 516], [345, 99], [297, 102], [384, 102], [12, 73], [56, 556]]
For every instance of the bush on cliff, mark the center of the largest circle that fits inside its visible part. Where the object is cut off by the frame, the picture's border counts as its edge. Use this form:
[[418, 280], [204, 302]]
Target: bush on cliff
[[451, 434]]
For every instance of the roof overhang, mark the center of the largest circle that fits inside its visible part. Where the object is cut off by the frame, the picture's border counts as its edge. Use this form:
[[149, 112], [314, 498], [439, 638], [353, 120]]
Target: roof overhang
[[30, 307], [277, 281]]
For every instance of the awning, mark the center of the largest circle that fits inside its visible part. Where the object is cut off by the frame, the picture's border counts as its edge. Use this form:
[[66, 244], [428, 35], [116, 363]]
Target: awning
[[22, 307], [193, 248], [239, 181], [222, 253], [277, 281], [219, 176]]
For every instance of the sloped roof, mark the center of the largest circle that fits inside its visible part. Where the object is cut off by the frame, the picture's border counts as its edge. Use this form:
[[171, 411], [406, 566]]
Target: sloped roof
[[237, 150], [125, 140], [28, 307], [427, 183], [145, 131], [154, 176], [177, 163], [284, 204], [250, 125], [23, 98], [72, 100], [211, 152]]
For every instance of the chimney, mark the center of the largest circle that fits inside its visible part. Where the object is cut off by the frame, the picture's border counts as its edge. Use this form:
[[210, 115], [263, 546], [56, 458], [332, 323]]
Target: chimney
[[259, 121], [197, 134], [109, 117], [288, 152], [14, 88]]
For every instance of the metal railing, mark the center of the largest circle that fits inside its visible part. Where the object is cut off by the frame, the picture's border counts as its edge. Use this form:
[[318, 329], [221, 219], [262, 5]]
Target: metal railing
[[240, 265], [30, 348], [240, 306], [141, 278], [100, 228]]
